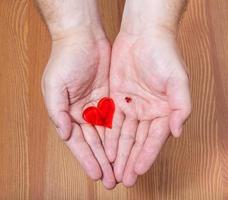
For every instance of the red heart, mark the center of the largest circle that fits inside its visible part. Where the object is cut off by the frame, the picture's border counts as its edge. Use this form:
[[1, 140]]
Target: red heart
[[101, 115]]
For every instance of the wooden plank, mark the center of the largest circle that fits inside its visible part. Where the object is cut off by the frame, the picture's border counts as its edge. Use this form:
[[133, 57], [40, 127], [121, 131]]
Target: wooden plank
[[38, 53], [14, 100], [218, 20], [35, 164]]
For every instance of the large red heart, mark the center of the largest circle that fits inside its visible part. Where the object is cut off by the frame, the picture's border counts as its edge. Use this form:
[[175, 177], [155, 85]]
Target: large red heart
[[101, 115]]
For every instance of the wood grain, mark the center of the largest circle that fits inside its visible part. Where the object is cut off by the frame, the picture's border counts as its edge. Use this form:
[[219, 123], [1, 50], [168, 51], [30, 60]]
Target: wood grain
[[35, 164]]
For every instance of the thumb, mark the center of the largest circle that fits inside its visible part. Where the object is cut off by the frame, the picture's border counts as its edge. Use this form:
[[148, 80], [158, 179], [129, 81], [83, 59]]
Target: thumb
[[57, 103], [180, 102], [62, 122]]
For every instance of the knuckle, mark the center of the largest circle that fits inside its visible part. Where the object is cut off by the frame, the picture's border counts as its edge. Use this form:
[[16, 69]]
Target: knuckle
[[85, 155], [183, 78], [44, 80], [45, 83], [152, 151], [48, 81], [96, 144], [53, 114], [111, 136], [127, 137], [123, 155], [138, 143], [104, 163], [188, 110]]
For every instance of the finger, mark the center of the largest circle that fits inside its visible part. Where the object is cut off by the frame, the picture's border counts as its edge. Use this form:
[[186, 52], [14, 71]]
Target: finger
[[130, 176], [112, 135], [126, 141], [83, 153], [158, 133], [92, 138], [56, 100], [180, 102], [100, 130]]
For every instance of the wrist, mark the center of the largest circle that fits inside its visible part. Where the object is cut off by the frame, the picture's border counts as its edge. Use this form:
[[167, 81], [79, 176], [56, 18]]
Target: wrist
[[72, 16], [67, 28], [152, 33], [77, 33], [84, 39], [152, 16]]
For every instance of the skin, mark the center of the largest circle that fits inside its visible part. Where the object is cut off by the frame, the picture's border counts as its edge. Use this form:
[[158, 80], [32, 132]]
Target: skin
[[147, 66], [76, 77]]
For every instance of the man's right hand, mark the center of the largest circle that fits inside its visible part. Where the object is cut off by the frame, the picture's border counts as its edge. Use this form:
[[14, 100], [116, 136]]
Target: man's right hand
[[76, 77]]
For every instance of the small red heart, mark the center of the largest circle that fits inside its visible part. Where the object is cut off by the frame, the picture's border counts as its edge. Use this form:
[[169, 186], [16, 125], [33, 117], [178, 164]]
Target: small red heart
[[101, 115]]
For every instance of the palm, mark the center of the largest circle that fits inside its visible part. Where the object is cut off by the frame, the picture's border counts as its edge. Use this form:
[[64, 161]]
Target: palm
[[131, 78], [79, 74], [77, 77], [145, 70]]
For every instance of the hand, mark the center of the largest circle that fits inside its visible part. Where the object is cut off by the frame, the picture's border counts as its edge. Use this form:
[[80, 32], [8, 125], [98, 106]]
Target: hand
[[149, 69], [76, 77]]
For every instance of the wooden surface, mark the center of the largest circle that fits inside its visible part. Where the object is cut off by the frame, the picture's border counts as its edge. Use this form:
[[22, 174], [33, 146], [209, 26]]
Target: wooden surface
[[35, 164]]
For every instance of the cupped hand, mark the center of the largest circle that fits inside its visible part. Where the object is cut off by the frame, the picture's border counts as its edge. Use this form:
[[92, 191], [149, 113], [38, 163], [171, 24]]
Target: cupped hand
[[147, 69], [76, 77]]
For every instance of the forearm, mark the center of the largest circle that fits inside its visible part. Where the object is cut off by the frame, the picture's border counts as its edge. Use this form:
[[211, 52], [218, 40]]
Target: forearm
[[69, 16], [148, 15]]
